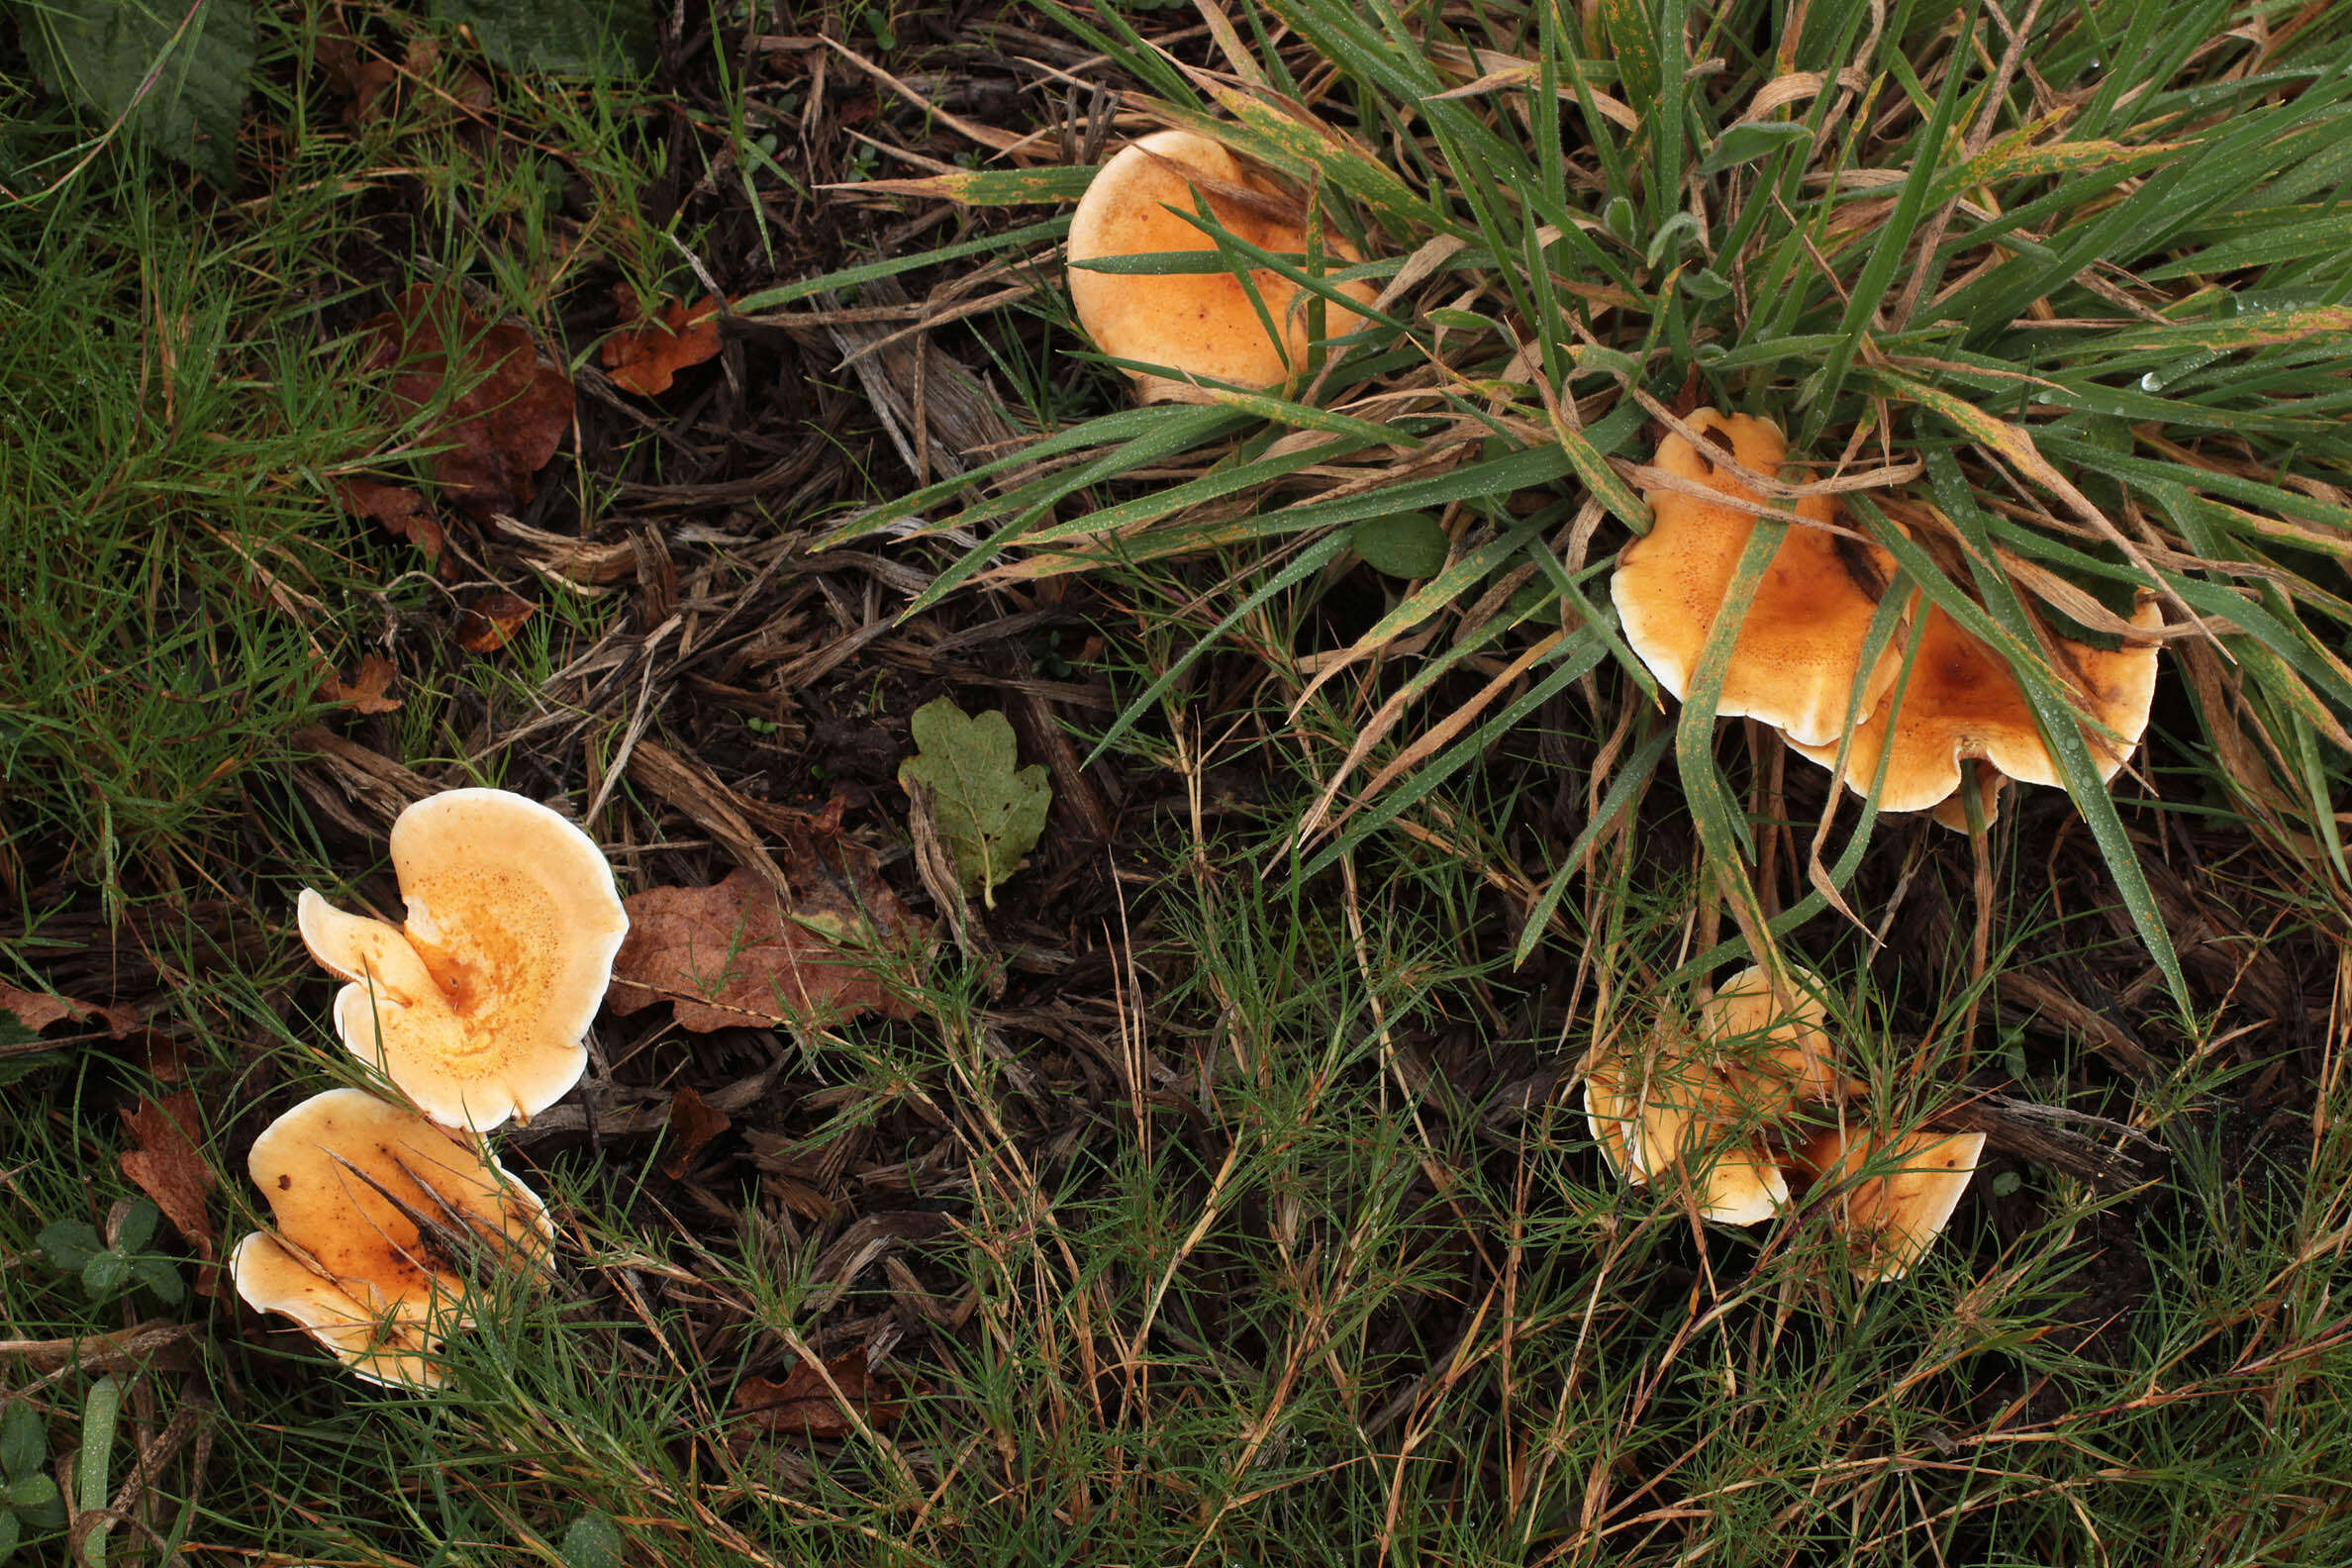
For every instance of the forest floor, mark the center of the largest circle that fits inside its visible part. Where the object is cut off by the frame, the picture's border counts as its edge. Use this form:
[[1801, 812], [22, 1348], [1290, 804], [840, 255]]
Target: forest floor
[[1217, 1187]]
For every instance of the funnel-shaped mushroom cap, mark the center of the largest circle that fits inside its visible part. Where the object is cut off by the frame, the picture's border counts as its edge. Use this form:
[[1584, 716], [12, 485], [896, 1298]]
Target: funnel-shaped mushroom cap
[[1200, 323], [1775, 1051], [1907, 1187], [372, 1202], [1682, 1114], [1961, 701], [1800, 648], [478, 1007]]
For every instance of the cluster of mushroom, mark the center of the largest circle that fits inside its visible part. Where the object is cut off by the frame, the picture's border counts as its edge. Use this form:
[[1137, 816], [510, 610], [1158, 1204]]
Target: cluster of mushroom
[[1205, 325], [1753, 1102], [1797, 661], [476, 1009]]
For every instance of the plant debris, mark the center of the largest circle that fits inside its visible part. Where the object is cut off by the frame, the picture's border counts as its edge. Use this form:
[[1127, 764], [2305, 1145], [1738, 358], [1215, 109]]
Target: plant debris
[[802, 1405], [491, 621], [509, 413], [38, 1010], [400, 509], [168, 1166], [364, 691], [735, 953], [644, 358]]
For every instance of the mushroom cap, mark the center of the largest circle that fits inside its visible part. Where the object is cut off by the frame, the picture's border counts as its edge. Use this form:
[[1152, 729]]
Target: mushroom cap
[[1893, 1213], [1798, 655], [1682, 1114], [1199, 323], [476, 1008], [1776, 1053], [1962, 701], [1609, 1112], [347, 1176]]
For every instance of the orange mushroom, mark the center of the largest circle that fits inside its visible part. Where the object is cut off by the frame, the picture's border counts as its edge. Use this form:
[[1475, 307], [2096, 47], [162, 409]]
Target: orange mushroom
[[478, 1007], [370, 1203], [1201, 324], [1706, 1103], [1961, 701], [1675, 1111], [1776, 1050], [1798, 655], [1894, 1195]]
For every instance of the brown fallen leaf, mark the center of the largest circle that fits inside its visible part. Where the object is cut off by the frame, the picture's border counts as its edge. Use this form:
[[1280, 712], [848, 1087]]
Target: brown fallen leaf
[[731, 953], [170, 1167], [505, 424], [364, 691], [38, 1010], [360, 80], [400, 509], [485, 625], [693, 1123], [803, 1407], [643, 359]]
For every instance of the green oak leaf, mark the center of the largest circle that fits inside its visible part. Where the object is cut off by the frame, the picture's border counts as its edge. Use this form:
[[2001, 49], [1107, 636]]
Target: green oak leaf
[[990, 811]]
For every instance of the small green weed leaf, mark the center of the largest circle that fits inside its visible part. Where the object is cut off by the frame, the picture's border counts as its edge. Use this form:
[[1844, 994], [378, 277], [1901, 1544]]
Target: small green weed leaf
[[13, 1067], [32, 1494], [1672, 238], [593, 1541], [990, 811], [102, 1408], [1618, 218], [9, 1532], [162, 1276], [137, 1227], [1744, 144], [1407, 545], [573, 36], [174, 77], [70, 1243], [105, 1274], [24, 1444]]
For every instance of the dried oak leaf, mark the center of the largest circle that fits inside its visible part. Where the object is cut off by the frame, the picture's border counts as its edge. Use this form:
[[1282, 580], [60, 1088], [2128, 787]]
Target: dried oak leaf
[[364, 691], [170, 1167], [693, 1123], [803, 1407], [38, 1010], [643, 359], [400, 509], [484, 625], [731, 953], [508, 412]]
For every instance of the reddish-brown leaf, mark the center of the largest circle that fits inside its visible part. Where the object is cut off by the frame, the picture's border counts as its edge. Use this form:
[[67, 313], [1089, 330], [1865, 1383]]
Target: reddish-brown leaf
[[643, 359], [38, 1010], [733, 954], [364, 691], [693, 1123], [399, 508], [168, 1166], [508, 412], [484, 625], [803, 1407]]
